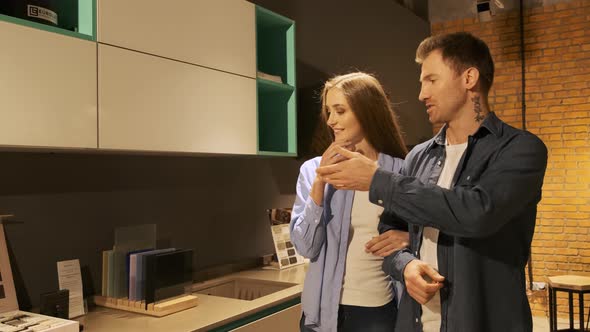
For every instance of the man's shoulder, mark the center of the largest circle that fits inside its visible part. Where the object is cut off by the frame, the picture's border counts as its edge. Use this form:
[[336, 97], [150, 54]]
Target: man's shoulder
[[420, 148], [416, 154], [522, 137]]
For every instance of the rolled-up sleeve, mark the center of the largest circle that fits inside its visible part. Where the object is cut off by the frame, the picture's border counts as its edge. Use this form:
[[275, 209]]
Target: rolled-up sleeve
[[394, 264]]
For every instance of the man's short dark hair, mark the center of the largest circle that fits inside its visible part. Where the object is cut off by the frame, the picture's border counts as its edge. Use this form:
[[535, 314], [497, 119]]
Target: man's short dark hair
[[461, 50]]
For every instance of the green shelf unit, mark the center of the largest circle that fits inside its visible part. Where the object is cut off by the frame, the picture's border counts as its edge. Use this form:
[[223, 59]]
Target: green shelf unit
[[277, 131], [86, 27], [275, 55]]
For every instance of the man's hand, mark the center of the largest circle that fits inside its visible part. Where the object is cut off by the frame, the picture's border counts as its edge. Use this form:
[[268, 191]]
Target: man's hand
[[355, 173], [332, 156], [387, 242], [422, 281]]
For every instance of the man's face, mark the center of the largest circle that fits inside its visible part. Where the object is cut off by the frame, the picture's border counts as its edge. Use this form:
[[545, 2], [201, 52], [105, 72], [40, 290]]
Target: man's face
[[442, 89]]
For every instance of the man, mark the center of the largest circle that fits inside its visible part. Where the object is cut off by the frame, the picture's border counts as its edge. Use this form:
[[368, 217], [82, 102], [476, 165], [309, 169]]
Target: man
[[469, 196]]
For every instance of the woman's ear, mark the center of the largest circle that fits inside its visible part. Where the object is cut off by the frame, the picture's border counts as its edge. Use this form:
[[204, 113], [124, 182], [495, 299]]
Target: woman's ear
[[470, 78]]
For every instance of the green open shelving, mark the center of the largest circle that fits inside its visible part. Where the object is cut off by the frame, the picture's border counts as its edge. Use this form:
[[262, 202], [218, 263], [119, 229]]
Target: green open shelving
[[86, 25], [275, 55]]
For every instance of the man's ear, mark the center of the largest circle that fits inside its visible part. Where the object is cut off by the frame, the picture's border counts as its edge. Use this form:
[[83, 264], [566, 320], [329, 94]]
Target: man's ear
[[470, 78]]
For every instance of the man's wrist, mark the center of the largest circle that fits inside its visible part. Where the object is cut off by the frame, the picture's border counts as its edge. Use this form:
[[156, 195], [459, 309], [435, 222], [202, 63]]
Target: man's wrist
[[375, 188]]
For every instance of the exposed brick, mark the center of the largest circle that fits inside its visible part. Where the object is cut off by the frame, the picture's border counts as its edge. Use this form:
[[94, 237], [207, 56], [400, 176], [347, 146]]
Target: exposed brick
[[571, 114], [582, 107]]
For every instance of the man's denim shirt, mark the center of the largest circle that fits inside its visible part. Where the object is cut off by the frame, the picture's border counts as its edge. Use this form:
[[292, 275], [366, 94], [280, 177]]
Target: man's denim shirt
[[486, 219]]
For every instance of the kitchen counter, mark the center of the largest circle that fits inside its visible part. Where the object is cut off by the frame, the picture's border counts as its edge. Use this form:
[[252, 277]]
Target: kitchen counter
[[212, 311]]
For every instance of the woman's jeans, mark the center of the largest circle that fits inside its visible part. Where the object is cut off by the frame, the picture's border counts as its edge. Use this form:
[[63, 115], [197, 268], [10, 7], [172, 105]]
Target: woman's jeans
[[366, 319]]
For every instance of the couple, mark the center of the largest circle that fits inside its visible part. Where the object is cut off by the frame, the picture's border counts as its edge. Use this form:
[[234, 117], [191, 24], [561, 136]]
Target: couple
[[437, 242]]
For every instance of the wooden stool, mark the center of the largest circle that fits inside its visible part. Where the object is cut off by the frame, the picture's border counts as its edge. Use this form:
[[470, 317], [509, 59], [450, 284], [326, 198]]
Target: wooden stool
[[570, 284]]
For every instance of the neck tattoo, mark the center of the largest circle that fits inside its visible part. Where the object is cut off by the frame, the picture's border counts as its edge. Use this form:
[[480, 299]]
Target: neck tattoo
[[477, 108]]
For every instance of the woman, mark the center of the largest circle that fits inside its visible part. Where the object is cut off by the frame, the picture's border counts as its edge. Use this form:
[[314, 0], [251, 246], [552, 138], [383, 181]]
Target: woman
[[345, 288]]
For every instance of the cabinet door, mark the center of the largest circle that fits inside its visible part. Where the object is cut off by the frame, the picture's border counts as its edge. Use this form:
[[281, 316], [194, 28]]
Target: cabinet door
[[286, 320], [218, 34], [47, 89], [156, 104]]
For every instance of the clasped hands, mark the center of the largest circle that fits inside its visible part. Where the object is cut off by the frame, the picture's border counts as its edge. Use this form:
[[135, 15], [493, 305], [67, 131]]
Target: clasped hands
[[346, 169]]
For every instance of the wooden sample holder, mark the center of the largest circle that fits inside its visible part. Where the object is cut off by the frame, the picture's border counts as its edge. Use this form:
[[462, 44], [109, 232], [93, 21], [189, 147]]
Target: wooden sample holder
[[159, 309]]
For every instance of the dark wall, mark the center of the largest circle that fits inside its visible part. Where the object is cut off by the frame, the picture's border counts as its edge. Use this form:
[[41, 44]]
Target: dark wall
[[71, 202], [339, 36]]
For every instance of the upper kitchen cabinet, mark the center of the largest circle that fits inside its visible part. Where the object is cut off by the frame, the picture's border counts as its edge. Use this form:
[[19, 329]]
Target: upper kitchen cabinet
[[154, 104], [217, 34], [216, 76], [73, 18], [275, 50], [47, 88]]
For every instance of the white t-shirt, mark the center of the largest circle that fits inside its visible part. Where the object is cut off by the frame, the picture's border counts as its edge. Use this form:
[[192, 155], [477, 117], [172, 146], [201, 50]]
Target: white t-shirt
[[431, 311], [365, 284]]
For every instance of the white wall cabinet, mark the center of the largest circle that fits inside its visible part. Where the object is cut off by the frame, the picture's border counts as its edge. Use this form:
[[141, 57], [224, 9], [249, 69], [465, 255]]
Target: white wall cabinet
[[47, 89], [159, 76], [155, 104], [219, 34]]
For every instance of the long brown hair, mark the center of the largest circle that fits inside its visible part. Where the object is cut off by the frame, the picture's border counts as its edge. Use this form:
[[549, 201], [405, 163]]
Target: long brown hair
[[373, 110]]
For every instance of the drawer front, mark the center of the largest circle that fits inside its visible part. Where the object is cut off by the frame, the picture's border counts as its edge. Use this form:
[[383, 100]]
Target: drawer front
[[218, 34], [286, 320], [47, 89], [155, 104]]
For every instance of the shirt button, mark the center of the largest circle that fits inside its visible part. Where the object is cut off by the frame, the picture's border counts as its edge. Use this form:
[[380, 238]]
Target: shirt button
[[438, 163], [416, 253], [416, 320], [468, 177], [380, 202]]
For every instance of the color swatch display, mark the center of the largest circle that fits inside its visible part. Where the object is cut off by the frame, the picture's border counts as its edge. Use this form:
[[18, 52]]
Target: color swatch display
[[285, 251]]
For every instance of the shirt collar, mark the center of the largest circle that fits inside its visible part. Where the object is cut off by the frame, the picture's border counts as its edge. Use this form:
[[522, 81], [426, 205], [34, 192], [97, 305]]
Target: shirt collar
[[491, 123]]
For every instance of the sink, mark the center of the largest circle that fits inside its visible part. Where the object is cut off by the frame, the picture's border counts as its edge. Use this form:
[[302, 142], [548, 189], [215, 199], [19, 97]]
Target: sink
[[240, 288]]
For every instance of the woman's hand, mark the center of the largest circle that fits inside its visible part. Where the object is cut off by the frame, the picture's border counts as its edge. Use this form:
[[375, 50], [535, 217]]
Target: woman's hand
[[329, 157]]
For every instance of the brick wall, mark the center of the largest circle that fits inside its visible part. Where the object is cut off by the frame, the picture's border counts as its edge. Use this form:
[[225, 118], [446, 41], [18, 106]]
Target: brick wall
[[557, 45]]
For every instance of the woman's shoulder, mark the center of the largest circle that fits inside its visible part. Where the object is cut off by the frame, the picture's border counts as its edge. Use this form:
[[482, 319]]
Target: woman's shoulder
[[390, 163], [310, 165], [313, 162]]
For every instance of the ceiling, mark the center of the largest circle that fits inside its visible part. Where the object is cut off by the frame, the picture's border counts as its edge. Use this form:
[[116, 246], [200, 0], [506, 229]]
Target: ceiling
[[448, 10], [418, 7]]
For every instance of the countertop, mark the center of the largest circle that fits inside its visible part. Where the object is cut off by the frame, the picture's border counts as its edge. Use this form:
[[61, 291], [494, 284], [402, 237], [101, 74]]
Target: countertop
[[211, 312]]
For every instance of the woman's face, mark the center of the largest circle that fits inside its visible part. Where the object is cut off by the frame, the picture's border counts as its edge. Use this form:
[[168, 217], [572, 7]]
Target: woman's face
[[341, 118]]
